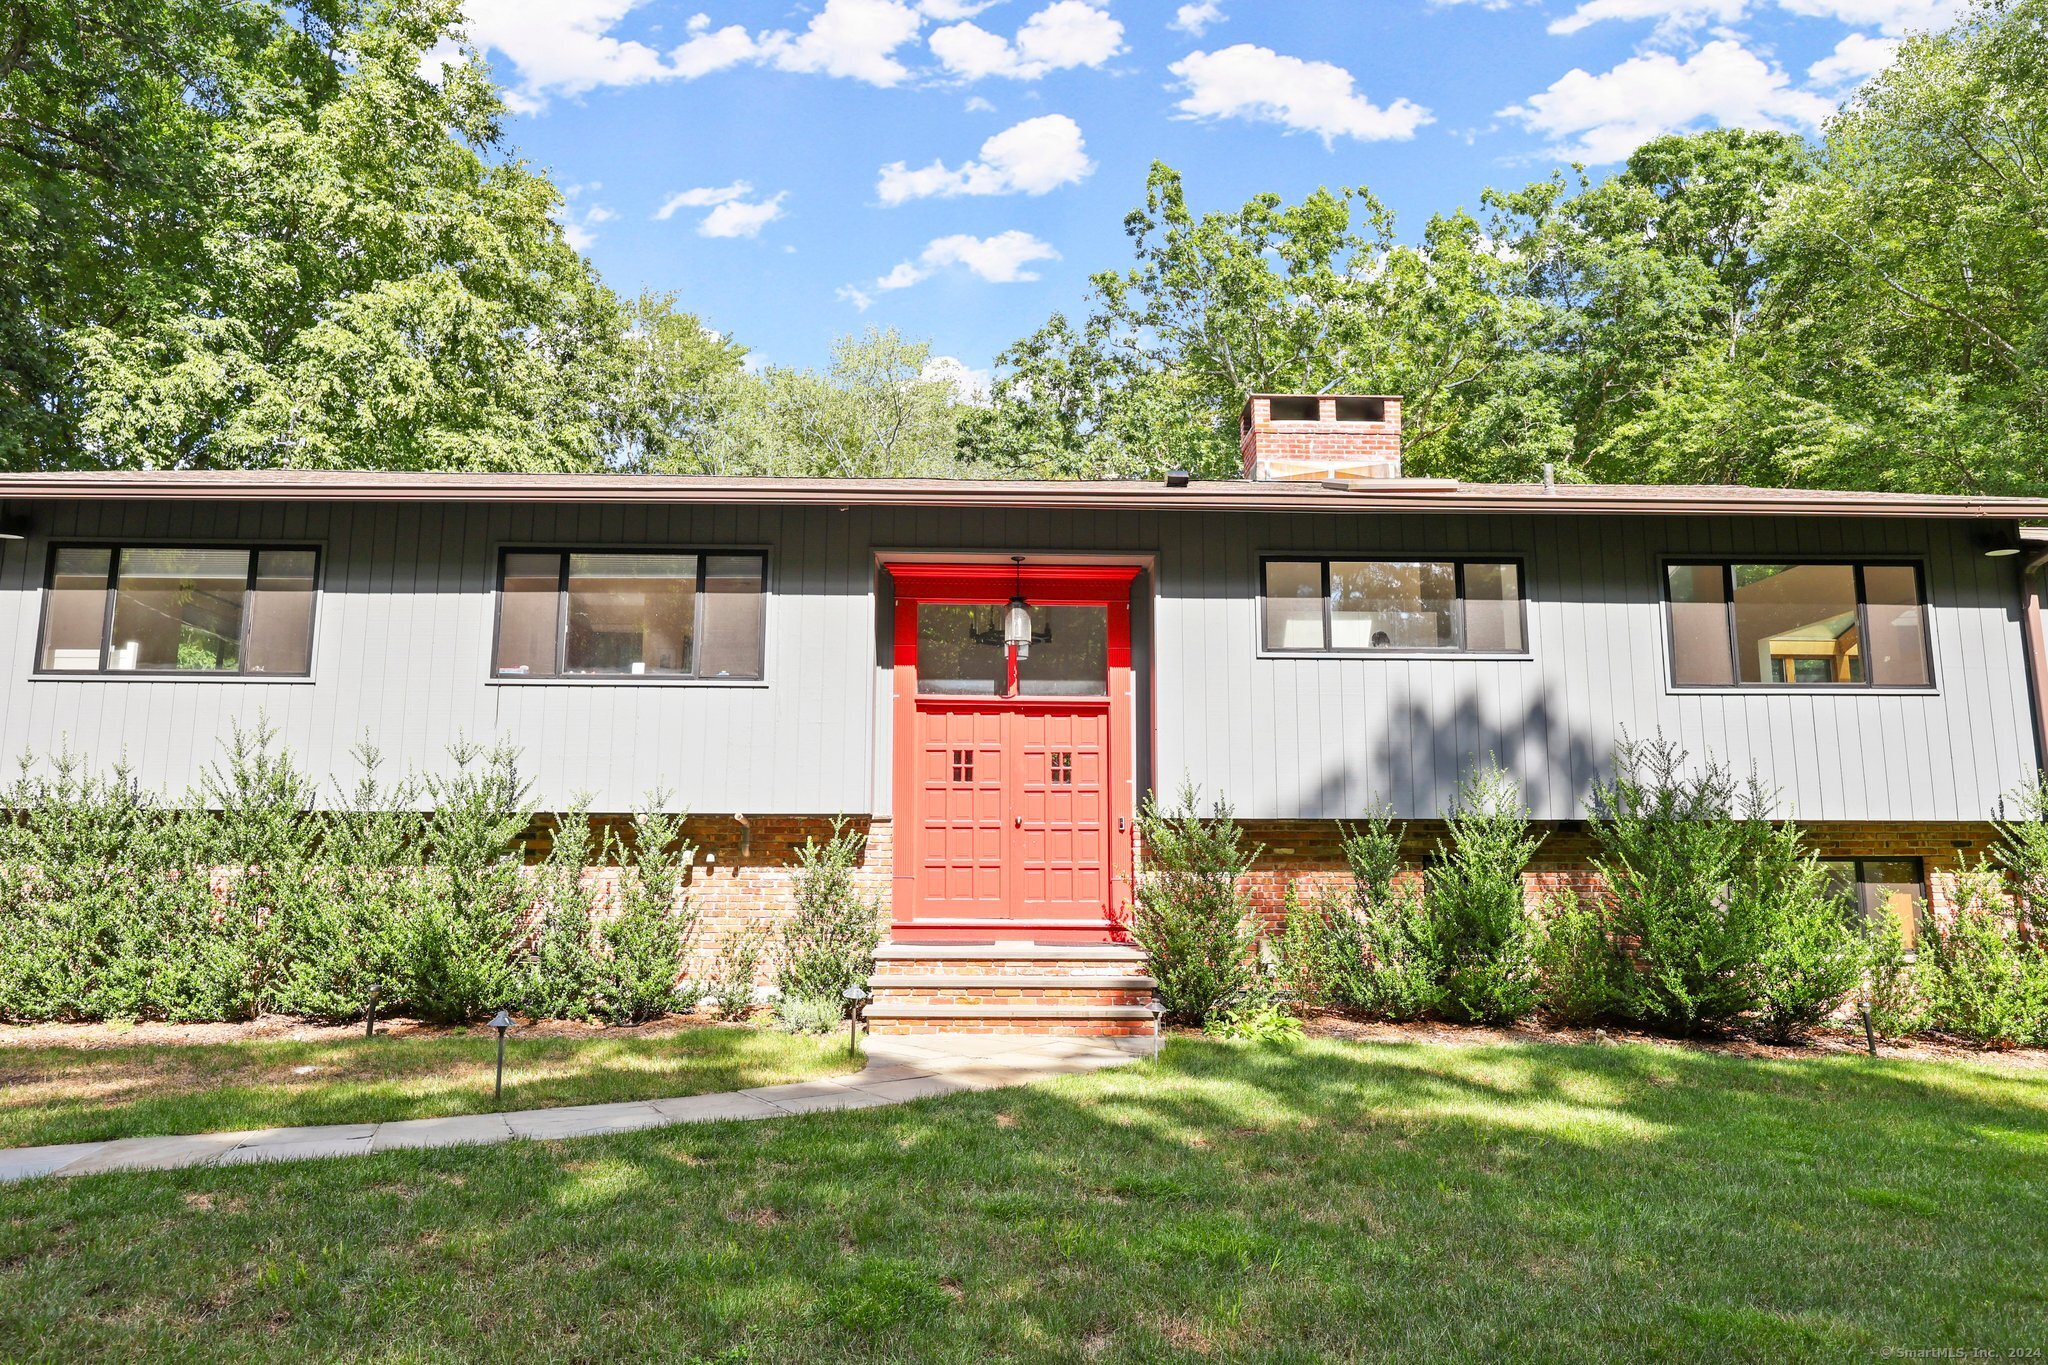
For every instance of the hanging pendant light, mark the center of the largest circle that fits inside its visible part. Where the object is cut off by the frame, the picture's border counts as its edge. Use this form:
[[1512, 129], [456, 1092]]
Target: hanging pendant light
[[1017, 620]]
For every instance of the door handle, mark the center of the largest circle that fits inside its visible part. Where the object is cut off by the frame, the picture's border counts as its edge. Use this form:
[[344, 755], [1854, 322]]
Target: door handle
[[1020, 822]]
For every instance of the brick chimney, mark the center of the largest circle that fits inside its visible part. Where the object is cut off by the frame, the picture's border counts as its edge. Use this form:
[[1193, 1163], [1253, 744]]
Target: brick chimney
[[1295, 436]]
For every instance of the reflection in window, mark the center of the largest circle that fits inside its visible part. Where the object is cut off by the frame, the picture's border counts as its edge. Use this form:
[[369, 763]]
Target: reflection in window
[[1797, 625], [960, 651], [1357, 606], [630, 615], [1883, 886], [179, 609]]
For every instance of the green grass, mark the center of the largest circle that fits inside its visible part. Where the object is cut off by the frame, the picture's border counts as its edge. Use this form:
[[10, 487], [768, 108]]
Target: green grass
[[73, 1094], [1327, 1201]]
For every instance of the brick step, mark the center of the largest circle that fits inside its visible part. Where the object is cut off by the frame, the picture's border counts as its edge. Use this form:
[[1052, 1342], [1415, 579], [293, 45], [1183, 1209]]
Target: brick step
[[1007, 981], [1008, 952], [1088, 989]]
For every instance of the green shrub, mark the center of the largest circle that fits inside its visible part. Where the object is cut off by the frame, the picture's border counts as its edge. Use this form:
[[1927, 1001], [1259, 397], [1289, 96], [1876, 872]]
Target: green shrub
[[1255, 1021], [828, 941], [1813, 947], [809, 1013], [2022, 855], [1191, 915], [356, 927], [647, 938], [1319, 955], [462, 959], [1983, 977], [560, 971], [1481, 946], [1887, 996], [730, 987], [1576, 959]]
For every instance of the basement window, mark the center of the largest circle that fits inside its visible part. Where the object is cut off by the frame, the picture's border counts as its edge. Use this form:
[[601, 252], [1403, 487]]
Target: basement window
[[1883, 886], [622, 616], [1840, 624], [1369, 606], [179, 610]]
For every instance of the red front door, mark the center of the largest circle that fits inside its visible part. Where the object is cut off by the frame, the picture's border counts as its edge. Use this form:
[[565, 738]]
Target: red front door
[[1014, 781]]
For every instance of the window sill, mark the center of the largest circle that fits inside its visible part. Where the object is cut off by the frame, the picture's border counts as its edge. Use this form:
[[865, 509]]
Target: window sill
[[141, 676], [1799, 690], [1406, 655], [626, 682]]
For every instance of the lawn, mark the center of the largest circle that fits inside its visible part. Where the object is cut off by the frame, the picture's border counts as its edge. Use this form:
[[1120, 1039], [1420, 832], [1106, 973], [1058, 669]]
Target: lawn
[[74, 1094], [1332, 1200]]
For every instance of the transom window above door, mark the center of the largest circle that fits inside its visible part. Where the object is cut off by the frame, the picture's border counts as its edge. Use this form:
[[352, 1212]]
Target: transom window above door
[[179, 611], [1797, 625], [572, 614], [961, 653], [1363, 606]]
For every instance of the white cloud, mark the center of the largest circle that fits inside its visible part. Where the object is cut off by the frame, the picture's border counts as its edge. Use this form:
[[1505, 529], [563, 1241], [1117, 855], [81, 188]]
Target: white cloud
[[1194, 20], [738, 218], [734, 213], [1257, 83], [1000, 259], [702, 197], [853, 38], [577, 222], [1672, 16], [1065, 34], [947, 10], [1034, 157], [566, 47], [969, 384], [1855, 59], [1603, 118], [1895, 18], [977, 105]]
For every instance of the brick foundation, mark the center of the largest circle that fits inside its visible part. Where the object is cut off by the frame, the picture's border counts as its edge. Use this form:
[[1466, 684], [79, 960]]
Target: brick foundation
[[1308, 855]]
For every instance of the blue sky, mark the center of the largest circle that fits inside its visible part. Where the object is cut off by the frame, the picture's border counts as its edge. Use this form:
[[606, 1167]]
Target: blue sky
[[956, 169]]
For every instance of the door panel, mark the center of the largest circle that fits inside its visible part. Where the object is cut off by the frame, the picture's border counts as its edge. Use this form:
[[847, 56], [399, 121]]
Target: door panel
[[962, 805], [1062, 814]]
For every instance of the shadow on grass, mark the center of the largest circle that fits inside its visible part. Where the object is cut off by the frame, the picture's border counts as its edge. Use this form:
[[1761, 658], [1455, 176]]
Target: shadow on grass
[[1333, 1200], [58, 1094]]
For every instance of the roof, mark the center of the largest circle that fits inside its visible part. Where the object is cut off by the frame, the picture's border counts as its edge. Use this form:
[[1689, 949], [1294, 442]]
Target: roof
[[1366, 495]]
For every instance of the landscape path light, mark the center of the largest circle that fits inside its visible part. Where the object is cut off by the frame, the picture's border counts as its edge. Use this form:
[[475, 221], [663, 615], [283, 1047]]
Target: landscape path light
[[501, 1023], [370, 1014], [853, 995]]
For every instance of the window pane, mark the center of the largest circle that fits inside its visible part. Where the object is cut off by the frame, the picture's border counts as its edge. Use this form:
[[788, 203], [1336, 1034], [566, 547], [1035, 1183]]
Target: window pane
[[1897, 648], [1493, 607], [1074, 661], [75, 613], [735, 602], [1699, 626], [179, 610], [1393, 606], [951, 662], [1294, 604], [1797, 623], [631, 614], [526, 615], [1893, 886], [281, 613]]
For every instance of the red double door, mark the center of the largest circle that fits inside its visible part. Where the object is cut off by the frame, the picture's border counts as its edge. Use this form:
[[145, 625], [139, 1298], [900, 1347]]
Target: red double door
[[1013, 777]]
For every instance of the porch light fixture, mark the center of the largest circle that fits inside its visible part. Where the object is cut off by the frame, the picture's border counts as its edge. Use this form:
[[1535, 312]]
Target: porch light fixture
[[1017, 620]]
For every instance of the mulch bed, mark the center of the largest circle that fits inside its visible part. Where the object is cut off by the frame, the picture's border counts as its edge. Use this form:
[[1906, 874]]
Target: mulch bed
[[289, 1028]]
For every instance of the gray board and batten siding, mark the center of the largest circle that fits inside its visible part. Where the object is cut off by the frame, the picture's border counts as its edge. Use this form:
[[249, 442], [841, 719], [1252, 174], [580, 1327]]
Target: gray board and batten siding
[[404, 626]]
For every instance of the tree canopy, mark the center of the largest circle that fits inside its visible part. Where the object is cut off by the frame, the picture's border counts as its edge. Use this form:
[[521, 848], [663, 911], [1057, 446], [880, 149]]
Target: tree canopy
[[243, 233]]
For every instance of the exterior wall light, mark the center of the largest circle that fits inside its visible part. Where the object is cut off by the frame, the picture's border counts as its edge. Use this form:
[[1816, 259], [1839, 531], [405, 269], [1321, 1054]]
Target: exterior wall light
[[501, 1022]]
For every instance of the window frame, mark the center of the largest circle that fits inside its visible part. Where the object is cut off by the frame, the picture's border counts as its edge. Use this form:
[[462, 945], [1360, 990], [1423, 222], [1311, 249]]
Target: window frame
[[1857, 881], [1458, 563], [1868, 687], [560, 679], [114, 547]]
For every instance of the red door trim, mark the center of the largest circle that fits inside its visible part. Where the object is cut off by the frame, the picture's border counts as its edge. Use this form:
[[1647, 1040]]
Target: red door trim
[[1070, 584]]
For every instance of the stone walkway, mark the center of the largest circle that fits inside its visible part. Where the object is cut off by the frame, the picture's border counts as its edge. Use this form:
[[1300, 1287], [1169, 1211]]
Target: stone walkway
[[898, 1069]]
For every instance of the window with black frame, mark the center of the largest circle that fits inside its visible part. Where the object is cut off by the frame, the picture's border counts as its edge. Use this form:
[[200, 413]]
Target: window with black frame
[[573, 614], [179, 610], [1363, 606], [1880, 887], [1784, 624]]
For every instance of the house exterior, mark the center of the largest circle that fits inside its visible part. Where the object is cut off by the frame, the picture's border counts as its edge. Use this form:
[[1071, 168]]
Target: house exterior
[[987, 677]]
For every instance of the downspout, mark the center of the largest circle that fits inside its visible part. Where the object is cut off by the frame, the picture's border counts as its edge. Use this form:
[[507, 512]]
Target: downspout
[[2037, 643]]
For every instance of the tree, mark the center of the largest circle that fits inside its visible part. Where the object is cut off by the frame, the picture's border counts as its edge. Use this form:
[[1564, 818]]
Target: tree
[[1911, 268], [874, 412]]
